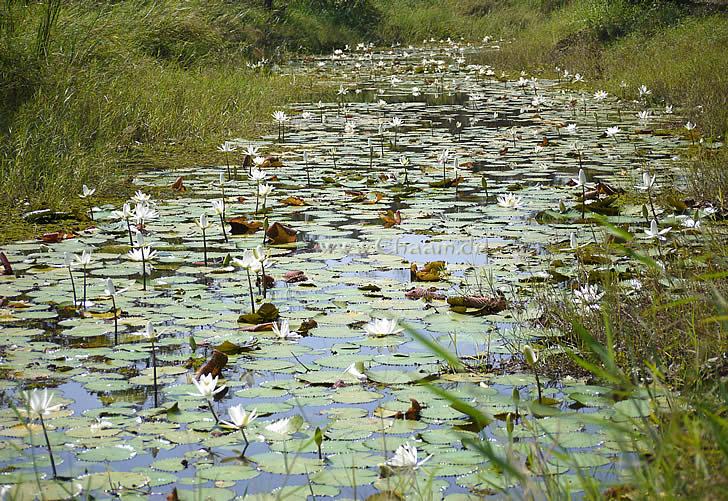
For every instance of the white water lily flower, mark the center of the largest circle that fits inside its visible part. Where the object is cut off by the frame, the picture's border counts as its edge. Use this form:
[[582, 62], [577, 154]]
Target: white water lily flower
[[101, 424], [580, 179], [349, 127], [284, 331], [397, 122], [406, 457], [689, 222], [257, 174], [600, 95], [647, 182], [264, 190], [644, 91], [530, 355], [203, 223], [248, 262], [612, 131], [690, 126], [124, 214], [280, 116], [39, 402], [509, 201], [380, 327], [444, 155], [84, 259], [356, 369], [142, 254], [87, 192], [252, 150], [143, 213], [141, 198], [109, 287], [239, 418], [282, 426], [206, 387], [588, 296], [573, 243], [654, 232], [261, 254], [644, 115], [571, 128], [219, 207], [226, 147], [668, 109], [149, 332]]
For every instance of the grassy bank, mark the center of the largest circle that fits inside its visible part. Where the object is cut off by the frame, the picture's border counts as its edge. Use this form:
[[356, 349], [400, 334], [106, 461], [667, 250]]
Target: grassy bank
[[90, 90], [87, 87]]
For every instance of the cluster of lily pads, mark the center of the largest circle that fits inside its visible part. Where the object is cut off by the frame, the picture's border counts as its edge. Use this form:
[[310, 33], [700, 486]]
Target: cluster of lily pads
[[427, 202]]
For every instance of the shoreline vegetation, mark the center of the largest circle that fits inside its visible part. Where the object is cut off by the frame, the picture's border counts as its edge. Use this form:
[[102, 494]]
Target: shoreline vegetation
[[91, 93]]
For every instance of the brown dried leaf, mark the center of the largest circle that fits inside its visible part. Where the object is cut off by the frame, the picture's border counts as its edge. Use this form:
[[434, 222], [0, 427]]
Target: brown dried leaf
[[7, 267], [293, 201], [391, 218], [178, 185], [241, 226], [215, 365], [279, 234]]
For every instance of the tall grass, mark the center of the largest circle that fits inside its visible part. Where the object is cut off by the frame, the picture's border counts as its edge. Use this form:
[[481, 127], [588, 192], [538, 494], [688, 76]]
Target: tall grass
[[88, 88], [675, 49]]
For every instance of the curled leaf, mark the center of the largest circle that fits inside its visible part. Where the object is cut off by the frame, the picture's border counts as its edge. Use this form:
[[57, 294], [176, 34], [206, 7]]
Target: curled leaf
[[215, 365], [279, 234], [293, 201], [241, 226], [179, 185], [391, 218]]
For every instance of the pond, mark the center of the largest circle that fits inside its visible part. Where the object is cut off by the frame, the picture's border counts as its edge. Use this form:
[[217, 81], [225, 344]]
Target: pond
[[498, 209]]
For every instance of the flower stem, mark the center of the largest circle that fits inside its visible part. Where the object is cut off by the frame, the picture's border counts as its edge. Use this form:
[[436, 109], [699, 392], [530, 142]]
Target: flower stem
[[73, 286], [212, 409], [48, 444], [242, 430], [84, 288], [144, 270], [204, 246], [262, 278], [250, 290], [222, 223], [128, 229], [116, 321], [154, 369]]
